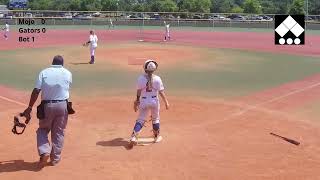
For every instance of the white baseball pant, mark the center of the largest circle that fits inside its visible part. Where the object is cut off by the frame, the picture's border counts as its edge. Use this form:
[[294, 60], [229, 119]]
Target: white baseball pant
[[149, 104]]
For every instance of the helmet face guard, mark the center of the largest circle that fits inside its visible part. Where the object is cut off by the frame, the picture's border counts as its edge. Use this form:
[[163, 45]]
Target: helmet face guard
[[18, 125]]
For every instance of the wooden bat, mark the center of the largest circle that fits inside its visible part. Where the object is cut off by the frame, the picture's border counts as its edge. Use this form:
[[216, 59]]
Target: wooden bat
[[287, 139]]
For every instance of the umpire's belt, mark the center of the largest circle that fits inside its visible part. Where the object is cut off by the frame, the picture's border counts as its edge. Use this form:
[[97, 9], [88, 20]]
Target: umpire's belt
[[146, 97], [52, 101]]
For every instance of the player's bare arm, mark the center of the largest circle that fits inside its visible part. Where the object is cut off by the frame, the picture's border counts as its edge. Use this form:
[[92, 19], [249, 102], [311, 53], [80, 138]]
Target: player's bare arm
[[137, 101], [86, 43], [33, 98], [164, 98]]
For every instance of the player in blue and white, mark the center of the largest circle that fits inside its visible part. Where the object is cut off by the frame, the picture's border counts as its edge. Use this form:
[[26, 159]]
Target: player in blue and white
[[6, 31]]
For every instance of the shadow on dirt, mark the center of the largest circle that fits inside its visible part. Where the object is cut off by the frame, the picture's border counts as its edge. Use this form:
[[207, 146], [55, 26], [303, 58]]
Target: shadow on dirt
[[117, 142], [18, 165], [79, 63]]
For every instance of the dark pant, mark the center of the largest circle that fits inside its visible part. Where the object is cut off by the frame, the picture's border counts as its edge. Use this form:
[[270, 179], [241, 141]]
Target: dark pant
[[56, 118]]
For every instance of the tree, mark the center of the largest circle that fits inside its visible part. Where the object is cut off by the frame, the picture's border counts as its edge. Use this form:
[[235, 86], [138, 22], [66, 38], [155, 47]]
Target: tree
[[126, 5], [196, 6], [138, 7], [155, 6], [268, 7], [314, 7], [61, 5], [239, 2], [91, 5], [4, 2], [237, 9], [75, 5], [227, 5], [282, 7], [220, 6], [202, 6], [187, 5], [297, 7], [168, 6], [109, 5], [41, 4], [252, 6]]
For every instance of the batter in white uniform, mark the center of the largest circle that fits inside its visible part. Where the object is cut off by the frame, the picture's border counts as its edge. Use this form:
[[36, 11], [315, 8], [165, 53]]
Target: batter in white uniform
[[93, 42], [6, 31], [149, 87]]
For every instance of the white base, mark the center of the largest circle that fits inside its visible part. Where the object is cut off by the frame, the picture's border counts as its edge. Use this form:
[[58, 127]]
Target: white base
[[144, 141]]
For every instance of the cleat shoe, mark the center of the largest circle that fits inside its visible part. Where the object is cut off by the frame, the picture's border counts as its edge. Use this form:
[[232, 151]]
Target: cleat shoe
[[157, 139], [43, 160]]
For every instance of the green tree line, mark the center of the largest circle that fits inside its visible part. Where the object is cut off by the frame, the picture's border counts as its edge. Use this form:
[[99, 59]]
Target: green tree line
[[202, 6]]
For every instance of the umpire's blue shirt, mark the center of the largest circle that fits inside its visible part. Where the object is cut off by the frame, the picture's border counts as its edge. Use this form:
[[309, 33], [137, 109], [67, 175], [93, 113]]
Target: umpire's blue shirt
[[54, 83]]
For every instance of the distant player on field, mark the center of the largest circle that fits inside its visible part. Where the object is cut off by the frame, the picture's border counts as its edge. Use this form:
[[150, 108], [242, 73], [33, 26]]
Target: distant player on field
[[111, 23], [93, 42], [6, 31], [167, 31]]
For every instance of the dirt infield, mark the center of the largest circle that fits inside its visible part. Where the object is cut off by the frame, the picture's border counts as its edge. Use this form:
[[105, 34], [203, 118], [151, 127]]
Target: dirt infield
[[166, 56], [203, 138], [196, 145], [288, 96]]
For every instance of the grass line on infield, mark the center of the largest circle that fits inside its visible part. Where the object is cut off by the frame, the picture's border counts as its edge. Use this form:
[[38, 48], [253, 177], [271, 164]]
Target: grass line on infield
[[258, 105], [12, 101]]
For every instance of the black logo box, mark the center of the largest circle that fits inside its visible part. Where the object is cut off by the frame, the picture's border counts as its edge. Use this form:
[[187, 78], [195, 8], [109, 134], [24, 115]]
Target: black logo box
[[300, 19]]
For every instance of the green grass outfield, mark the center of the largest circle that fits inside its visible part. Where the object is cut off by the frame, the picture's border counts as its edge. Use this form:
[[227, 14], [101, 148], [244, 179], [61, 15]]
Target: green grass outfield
[[218, 73]]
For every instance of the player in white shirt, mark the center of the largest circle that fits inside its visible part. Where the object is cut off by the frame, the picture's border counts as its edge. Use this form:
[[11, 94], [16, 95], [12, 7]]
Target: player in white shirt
[[93, 42], [111, 23], [149, 87], [6, 31], [167, 31]]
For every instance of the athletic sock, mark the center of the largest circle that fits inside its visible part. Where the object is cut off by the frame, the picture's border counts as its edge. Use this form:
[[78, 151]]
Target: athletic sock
[[137, 127], [156, 129]]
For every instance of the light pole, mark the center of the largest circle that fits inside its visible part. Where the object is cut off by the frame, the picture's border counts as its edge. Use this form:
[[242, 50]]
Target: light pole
[[307, 8]]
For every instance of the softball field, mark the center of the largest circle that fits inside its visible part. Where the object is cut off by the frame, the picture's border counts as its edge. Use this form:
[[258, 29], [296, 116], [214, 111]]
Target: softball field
[[227, 90]]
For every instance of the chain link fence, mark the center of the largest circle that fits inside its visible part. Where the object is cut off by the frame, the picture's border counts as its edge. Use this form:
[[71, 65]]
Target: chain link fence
[[150, 19]]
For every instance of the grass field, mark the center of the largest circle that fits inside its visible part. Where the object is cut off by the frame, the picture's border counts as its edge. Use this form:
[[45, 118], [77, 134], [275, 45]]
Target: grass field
[[213, 72]]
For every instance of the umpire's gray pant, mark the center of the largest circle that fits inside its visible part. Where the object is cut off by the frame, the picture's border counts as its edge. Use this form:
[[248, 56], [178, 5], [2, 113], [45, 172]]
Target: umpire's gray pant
[[56, 118]]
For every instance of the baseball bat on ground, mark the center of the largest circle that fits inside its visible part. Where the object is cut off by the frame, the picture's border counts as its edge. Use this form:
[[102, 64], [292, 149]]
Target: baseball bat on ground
[[287, 139]]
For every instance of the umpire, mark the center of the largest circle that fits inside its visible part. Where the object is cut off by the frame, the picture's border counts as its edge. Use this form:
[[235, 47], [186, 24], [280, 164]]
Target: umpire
[[53, 83]]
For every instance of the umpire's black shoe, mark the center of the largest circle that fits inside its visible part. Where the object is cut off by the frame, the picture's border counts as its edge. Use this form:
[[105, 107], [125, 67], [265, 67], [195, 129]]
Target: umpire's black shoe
[[43, 160]]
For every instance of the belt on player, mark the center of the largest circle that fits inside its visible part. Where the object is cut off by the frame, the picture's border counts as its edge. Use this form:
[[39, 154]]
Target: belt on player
[[146, 97], [52, 101]]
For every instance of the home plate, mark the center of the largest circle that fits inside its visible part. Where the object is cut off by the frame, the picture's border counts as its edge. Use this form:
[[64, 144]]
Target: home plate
[[145, 141]]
